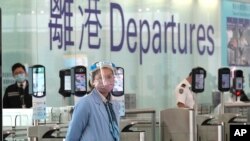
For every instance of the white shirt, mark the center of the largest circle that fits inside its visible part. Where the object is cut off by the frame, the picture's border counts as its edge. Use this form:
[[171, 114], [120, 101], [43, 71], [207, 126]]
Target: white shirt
[[184, 94], [24, 83]]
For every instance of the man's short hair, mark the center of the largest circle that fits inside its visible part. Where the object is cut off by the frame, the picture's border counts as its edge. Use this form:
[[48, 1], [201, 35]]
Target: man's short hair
[[18, 65]]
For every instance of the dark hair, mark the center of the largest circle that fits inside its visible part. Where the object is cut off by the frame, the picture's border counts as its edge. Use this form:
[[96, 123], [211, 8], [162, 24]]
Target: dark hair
[[94, 74], [18, 65], [90, 85], [205, 73]]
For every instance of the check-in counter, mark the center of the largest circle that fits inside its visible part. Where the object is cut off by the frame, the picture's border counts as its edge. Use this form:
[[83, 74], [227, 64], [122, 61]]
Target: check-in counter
[[236, 113], [128, 134], [240, 108], [138, 129], [7, 133], [228, 119], [15, 123], [45, 133], [177, 124], [207, 130], [133, 136], [18, 125]]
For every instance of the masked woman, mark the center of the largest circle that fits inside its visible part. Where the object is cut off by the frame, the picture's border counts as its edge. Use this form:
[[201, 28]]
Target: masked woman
[[95, 116]]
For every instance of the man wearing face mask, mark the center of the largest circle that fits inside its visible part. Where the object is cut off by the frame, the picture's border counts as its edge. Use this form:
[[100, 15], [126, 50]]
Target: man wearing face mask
[[95, 116], [17, 94]]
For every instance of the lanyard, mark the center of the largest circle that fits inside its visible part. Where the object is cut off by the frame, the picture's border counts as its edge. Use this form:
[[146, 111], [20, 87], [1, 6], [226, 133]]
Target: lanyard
[[114, 130], [110, 111]]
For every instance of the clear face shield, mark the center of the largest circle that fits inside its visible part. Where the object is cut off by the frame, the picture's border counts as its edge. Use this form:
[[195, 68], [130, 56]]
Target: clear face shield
[[103, 76]]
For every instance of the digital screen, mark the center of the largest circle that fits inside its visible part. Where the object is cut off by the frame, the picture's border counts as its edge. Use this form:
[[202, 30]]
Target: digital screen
[[225, 81], [38, 80], [118, 81], [239, 84], [199, 78], [80, 82], [67, 82]]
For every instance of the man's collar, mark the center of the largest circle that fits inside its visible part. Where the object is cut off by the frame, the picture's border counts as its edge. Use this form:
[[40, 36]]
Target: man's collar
[[24, 84]]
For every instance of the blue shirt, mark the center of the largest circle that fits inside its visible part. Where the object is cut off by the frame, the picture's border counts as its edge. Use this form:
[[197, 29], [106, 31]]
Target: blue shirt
[[90, 121]]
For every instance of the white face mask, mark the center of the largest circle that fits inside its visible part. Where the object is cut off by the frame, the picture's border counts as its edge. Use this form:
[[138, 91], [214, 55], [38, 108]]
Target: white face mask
[[20, 77]]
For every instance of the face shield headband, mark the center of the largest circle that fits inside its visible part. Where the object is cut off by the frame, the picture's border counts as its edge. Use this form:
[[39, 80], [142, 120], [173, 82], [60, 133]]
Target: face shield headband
[[99, 65]]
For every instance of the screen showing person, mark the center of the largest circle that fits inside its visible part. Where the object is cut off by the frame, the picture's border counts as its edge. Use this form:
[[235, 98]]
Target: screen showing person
[[118, 89], [199, 81], [80, 82], [239, 83], [38, 80], [225, 81], [118, 80]]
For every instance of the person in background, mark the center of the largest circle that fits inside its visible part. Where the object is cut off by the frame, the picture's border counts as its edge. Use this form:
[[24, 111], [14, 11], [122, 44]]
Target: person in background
[[241, 95], [183, 92], [17, 94], [96, 116], [233, 96]]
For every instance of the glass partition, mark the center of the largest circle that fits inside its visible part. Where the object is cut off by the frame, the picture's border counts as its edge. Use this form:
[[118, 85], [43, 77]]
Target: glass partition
[[156, 42]]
